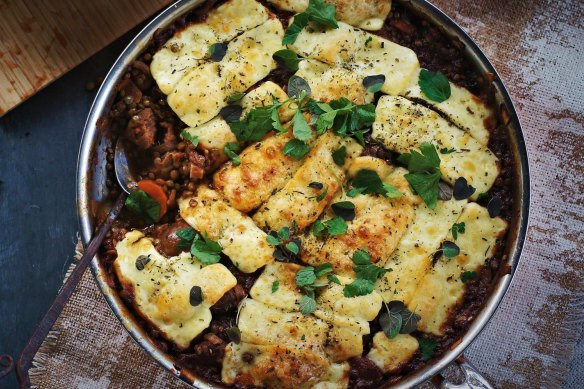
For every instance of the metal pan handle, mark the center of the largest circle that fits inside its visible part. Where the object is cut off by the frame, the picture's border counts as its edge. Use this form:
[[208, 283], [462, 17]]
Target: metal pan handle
[[472, 378]]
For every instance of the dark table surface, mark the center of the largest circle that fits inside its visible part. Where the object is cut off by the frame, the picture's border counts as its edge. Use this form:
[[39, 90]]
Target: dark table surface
[[39, 142]]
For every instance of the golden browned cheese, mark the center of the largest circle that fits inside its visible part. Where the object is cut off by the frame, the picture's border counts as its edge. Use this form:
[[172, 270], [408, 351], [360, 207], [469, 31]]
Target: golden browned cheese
[[296, 201], [264, 169], [366, 14], [392, 354], [379, 224]]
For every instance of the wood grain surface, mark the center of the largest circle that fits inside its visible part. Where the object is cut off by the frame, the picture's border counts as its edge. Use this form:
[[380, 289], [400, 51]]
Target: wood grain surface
[[42, 39]]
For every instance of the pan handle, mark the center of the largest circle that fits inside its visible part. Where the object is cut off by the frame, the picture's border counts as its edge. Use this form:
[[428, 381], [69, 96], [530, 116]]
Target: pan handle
[[472, 378]]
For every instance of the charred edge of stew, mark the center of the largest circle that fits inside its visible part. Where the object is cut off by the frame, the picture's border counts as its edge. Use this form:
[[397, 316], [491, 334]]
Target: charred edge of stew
[[147, 104]]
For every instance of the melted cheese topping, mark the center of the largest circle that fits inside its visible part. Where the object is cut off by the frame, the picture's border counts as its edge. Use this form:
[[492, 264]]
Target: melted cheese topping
[[203, 91], [279, 366], [413, 256], [401, 125], [366, 14], [242, 241], [287, 297], [264, 169], [296, 201], [331, 83], [189, 47], [215, 134], [462, 108], [441, 288], [378, 226], [392, 354], [363, 53], [161, 290]]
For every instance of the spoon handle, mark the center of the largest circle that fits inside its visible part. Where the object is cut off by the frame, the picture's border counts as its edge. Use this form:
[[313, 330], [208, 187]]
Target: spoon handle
[[66, 291]]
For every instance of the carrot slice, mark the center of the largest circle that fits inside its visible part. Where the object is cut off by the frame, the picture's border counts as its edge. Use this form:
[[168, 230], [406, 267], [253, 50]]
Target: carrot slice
[[156, 192]]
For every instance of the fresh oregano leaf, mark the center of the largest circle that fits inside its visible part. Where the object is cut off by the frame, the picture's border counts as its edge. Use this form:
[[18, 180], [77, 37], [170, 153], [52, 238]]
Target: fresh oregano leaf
[[217, 51], [307, 305], [434, 85], [450, 249], [142, 261], [297, 85], [293, 247], [196, 296], [374, 83], [466, 276], [445, 191], [322, 195], [462, 190], [344, 209], [305, 276], [494, 206], [235, 97], [333, 278], [427, 347], [275, 286], [287, 59], [323, 269], [296, 149], [231, 113], [457, 228], [340, 155], [390, 322]]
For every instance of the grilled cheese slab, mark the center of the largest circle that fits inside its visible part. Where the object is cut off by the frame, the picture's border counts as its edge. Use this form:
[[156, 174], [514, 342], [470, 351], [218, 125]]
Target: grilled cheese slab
[[160, 291]]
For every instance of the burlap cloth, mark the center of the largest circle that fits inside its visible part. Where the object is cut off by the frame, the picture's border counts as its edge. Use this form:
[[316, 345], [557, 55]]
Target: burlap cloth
[[538, 48]]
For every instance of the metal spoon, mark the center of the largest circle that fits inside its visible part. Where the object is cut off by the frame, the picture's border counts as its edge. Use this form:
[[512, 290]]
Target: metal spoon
[[127, 183]]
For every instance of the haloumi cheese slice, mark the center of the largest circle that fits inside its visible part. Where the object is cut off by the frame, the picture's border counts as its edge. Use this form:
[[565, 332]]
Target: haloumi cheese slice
[[361, 52], [392, 354], [281, 367], [401, 125], [462, 108], [242, 241], [161, 290], [441, 288], [378, 226], [263, 170], [366, 14], [287, 296], [203, 91], [261, 324], [189, 47], [296, 201], [215, 134], [329, 83], [413, 255]]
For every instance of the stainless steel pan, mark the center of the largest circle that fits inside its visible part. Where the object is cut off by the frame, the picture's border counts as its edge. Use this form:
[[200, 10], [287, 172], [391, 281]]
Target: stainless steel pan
[[91, 187]]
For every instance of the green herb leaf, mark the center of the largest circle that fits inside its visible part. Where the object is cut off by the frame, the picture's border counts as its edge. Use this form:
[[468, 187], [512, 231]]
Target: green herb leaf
[[293, 247], [275, 286], [142, 261], [323, 269], [206, 250], [315, 185], [186, 235], [494, 206], [322, 195], [300, 21], [374, 83], [409, 321], [446, 150], [424, 176], [390, 322], [255, 126], [284, 233], [191, 138], [273, 240], [333, 278], [301, 129], [231, 113], [369, 182], [450, 249], [462, 190], [307, 305], [288, 59], [296, 149], [196, 296], [318, 228], [336, 226], [305, 276], [425, 185], [322, 13], [234, 334], [344, 209], [340, 155], [467, 276], [434, 85], [361, 257], [359, 287], [235, 97], [457, 228], [427, 347], [427, 160], [354, 192], [142, 205], [296, 86], [217, 51], [231, 149]]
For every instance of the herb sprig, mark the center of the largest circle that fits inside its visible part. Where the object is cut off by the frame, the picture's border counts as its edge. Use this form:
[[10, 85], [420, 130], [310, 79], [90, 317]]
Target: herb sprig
[[424, 175], [397, 319], [318, 12], [306, 279], [367, 273], [205, 249]]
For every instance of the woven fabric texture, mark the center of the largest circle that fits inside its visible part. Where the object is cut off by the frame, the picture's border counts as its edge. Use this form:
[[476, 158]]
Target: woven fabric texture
[[538, 48]]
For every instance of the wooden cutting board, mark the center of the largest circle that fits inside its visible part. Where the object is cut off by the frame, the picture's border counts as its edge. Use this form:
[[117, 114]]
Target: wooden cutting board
[[43, 39]]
